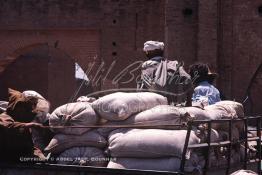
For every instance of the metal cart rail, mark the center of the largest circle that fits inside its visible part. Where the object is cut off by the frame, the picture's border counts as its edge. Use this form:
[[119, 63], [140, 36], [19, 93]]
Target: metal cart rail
[[57, 169]]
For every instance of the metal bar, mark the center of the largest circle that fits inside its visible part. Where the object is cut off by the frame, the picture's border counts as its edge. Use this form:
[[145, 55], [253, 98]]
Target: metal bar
[[217, 121], [253, 117], [253, 139], [169, 126], [208, 148], [144, 126], [183, 159], [229, 147], [202, 145], [259, 145], [196, 122], [216, 144], [246, 144]]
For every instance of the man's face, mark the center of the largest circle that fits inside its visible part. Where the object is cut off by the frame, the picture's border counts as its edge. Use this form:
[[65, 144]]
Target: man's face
[[147, 54]]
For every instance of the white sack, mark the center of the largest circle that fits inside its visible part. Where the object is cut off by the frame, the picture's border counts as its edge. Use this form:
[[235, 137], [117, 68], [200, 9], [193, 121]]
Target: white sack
[[148, 143], [73, 114], [244, 172], [219, 110], [156, 164], [121, 105], [159, 115], [227, 109], [86, 156], [159, 164], [61, 142]]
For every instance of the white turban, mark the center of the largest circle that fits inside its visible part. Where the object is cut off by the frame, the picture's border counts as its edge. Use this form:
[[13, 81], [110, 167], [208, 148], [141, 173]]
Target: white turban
[[152, 45]]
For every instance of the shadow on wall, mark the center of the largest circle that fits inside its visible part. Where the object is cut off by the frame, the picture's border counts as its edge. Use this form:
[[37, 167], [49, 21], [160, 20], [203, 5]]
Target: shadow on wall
[[44, 69]]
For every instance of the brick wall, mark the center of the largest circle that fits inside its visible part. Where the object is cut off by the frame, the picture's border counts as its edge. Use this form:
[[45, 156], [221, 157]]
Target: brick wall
[[181, 30], [225, 34], [88, 31]]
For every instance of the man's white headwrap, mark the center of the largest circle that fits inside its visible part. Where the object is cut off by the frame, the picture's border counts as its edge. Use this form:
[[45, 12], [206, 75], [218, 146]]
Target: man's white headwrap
[[153, 45]]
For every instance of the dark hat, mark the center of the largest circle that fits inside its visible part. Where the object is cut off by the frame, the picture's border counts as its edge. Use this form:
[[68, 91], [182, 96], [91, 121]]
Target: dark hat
[[201, 72]]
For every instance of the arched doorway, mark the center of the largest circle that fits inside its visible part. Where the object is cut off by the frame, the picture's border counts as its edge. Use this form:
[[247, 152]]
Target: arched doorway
[[40, 67]]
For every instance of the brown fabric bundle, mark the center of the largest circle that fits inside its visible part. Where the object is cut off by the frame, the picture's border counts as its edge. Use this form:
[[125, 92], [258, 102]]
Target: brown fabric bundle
[[21, 107]]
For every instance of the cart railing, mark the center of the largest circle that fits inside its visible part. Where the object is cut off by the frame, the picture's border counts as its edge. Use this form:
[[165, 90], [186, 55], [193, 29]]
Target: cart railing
[[229, 143], [189, 125]]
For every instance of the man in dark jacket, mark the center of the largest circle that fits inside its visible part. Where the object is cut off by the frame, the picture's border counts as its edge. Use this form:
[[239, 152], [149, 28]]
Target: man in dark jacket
[[15, 129]]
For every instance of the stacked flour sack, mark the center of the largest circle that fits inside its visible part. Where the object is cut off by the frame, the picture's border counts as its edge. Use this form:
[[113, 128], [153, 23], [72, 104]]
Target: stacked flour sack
[[77, 145], [147, 149], [220, 131]]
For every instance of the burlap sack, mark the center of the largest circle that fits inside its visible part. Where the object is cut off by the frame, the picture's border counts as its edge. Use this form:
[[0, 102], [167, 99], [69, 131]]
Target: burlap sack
[[86, 156], [120, 105], [159, 115], [196, 113], [61, 142], [148, 143], [159, 164], [227, 110], [156, 164], [73, 114], [219, 110]]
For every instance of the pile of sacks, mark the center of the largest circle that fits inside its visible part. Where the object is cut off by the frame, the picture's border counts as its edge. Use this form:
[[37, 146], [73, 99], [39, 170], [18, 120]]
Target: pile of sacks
[[85, 146], [147, 149], [220, 131], [76, 146], [158, 149], [150, 149]]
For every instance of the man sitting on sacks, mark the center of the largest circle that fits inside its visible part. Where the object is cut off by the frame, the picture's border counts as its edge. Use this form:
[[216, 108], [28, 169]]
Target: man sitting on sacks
[[164, 76], [205, 93], [15, 129]]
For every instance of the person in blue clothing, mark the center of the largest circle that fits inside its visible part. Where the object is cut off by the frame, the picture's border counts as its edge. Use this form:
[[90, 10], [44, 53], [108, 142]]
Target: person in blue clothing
[[204, 90]]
